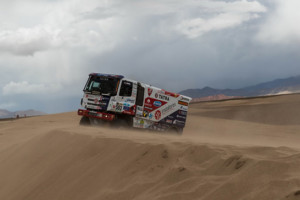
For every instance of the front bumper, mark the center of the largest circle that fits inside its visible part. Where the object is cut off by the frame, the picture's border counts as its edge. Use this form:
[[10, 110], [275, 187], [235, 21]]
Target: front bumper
[[94, 114]]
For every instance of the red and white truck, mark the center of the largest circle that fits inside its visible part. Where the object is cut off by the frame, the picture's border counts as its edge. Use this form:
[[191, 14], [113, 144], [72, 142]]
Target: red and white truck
[[119, 100]]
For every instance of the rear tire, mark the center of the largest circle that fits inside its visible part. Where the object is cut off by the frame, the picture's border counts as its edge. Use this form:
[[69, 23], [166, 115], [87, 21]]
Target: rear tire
[[122, 123], [176, 131], [84, 121]]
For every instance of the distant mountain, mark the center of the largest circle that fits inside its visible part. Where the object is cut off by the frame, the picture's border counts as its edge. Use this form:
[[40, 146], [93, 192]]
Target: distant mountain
[[214, 98], [23, 113], [5, 114], [278, 86]]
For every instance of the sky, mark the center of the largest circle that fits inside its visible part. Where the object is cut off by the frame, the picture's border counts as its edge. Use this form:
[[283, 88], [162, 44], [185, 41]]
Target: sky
[[48, 47]]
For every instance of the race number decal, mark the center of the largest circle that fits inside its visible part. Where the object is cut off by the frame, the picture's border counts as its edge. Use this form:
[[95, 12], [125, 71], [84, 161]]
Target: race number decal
[[119, 107]]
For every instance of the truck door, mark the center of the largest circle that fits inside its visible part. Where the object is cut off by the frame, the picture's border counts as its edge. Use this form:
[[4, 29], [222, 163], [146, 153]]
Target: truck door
[[125, 101], [140, 100]]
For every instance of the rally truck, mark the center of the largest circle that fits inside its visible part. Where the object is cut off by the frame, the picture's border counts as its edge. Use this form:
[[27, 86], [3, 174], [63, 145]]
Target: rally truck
[[125, 102]]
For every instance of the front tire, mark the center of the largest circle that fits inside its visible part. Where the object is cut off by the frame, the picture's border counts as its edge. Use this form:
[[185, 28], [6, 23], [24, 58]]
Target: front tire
[[84, 121]]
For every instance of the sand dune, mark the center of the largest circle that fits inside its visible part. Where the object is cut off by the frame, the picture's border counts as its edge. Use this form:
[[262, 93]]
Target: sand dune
[[239, 149]]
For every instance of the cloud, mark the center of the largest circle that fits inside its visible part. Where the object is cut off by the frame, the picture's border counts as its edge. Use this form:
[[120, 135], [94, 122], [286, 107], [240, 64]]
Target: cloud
[[197, 27], [220, 15], [281, 25], [14, 88], [27, 41], [99, 26]]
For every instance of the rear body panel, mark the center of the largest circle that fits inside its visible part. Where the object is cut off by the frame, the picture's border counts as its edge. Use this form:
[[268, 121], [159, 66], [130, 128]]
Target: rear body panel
[[161, 109]]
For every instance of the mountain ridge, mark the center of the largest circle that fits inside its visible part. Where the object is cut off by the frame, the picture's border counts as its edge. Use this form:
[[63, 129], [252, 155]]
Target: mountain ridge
[[22, 113], [277, 86]]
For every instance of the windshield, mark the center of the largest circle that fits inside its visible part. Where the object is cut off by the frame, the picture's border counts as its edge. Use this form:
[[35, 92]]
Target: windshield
[[101, 85]]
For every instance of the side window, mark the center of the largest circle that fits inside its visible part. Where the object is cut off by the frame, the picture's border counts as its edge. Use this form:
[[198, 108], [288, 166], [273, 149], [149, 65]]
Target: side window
[[140, 95], [126, 89]]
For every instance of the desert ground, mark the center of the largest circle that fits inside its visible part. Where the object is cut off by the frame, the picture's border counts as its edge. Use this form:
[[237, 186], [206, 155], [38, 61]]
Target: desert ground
[[246, 149]]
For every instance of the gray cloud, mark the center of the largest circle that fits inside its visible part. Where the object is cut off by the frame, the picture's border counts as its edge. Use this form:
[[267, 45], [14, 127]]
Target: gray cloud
[[27, 41]]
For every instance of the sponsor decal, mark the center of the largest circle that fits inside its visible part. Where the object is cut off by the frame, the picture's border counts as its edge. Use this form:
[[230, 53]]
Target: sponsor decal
[[126, 108], [129, 100], [183, 103], [152, 104], [157, 103], [139, 113], [162, 97], [146, 113], [169, 121], [182, 123], [150, 90], [150, 116], [184, 99], [126, 104], [185, 108], [148, 108], [119, 107], [140, 108], [171, 94], [157, 115], [182, 112], [168, 108], [138, 123], [180, 116]]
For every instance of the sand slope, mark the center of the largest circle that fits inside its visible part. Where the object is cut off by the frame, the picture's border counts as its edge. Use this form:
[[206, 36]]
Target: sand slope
[[220, 156]]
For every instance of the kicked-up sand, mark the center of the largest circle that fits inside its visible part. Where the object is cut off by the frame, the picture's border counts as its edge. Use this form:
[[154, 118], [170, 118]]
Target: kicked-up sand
[[245, 149]]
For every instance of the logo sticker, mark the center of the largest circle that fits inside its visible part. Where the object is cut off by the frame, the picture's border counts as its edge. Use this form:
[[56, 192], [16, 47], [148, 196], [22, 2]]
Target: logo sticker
[[150, 116], [181, 112], [150, 91], [145, 114], [157, 115], [162, 97], [183, 103], [157, 103]]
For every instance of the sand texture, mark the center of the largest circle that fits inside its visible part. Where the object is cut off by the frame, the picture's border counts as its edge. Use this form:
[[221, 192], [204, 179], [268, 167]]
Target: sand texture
[[230, 150]]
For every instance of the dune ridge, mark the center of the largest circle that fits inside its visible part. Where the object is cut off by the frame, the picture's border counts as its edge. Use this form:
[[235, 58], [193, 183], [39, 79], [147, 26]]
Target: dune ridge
[[52, 157], [63, 165]]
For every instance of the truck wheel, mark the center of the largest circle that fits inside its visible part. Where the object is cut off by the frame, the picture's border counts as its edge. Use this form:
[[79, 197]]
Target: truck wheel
[[120, 123], [84, 121], [174, 130]]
